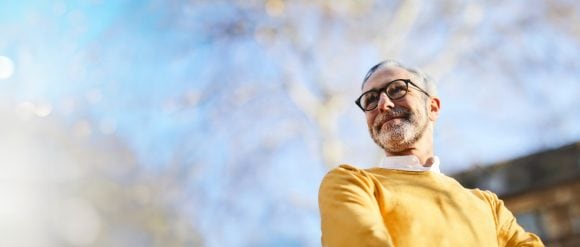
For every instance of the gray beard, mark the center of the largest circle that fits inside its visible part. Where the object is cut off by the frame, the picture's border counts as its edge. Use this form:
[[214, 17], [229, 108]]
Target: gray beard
[[395, 138]]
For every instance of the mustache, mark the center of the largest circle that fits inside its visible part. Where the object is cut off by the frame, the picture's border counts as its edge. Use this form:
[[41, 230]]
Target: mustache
[[397, 112]]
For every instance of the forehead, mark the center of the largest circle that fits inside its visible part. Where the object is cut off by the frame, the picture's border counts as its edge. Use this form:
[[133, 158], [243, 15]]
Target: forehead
[[385, 75]]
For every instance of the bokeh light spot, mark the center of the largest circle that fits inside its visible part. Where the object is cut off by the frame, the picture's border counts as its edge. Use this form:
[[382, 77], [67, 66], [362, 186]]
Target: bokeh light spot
[[6, 67]]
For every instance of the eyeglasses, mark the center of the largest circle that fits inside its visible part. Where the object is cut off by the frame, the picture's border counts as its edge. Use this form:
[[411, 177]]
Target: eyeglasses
[[395, 90]]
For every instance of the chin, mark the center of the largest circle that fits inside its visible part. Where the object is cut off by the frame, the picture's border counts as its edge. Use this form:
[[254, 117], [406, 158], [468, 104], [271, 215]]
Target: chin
[[395, 140], [397, 146], [390, 144]]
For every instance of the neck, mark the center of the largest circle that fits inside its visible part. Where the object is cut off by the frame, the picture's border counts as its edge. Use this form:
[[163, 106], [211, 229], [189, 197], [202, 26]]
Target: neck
[[426, 158]]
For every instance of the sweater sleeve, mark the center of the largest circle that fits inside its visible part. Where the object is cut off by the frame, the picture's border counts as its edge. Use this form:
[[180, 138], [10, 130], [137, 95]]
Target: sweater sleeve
[[350, 213], [509, 232]]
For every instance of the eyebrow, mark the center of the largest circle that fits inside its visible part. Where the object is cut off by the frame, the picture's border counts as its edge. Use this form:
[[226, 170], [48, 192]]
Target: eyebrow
[[384, 85]]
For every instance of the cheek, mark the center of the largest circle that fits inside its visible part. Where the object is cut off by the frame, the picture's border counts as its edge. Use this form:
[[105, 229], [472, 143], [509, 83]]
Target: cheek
[[417, 107], [370, 119]]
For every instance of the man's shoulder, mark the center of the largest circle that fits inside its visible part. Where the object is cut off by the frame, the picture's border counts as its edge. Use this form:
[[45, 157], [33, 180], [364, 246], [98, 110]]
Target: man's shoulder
[[352, 170], [346, 168], [346, 173], [485, 195], [346, 179]]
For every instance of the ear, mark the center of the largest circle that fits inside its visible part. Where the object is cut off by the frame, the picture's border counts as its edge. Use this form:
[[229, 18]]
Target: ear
[[434, 108]]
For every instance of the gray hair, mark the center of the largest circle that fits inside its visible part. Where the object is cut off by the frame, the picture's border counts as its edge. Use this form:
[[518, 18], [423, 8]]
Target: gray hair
[[425, 81]]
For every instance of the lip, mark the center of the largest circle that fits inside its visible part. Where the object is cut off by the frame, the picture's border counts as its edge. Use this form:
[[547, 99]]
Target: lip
[[389, 120]]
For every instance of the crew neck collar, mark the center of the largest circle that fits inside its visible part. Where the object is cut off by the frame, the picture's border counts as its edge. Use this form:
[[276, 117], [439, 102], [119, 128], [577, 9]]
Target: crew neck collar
[[409, 163]]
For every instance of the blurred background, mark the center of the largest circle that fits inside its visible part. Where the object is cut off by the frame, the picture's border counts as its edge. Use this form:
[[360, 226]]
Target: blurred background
[[211, 123]]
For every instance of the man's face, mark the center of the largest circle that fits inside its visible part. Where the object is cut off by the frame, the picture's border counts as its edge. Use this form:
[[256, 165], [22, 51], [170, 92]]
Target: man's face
[[396, 125]]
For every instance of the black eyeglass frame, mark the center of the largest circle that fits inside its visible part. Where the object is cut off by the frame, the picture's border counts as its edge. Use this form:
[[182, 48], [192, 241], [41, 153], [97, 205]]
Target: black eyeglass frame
[[383, 89]]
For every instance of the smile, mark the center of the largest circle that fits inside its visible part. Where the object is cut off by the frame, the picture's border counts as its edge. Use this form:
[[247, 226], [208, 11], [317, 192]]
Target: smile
[[391, 119]]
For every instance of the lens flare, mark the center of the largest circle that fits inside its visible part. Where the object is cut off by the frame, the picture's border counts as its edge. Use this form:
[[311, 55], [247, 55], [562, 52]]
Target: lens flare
[[6, 67]]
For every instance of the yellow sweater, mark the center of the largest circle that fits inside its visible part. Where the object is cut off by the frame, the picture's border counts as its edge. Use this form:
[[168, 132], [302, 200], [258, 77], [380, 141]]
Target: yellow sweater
[[385, 207]]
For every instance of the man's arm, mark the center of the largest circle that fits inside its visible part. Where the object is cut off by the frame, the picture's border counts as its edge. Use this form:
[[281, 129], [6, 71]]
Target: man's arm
[[509, 232], [350, 214]]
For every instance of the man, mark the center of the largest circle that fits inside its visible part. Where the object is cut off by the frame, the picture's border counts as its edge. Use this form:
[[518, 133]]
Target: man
[[407, 201]]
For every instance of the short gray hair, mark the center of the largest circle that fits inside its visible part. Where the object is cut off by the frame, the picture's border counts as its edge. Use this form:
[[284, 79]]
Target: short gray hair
[[426, 82]]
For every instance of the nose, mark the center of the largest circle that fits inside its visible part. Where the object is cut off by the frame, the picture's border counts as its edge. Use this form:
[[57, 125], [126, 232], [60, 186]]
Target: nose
[[385, 104]]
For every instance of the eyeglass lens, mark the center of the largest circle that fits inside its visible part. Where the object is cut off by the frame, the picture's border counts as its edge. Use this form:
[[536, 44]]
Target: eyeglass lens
[[395, 90]]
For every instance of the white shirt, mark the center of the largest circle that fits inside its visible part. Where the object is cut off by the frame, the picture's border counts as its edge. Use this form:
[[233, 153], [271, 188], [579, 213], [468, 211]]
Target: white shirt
[[409, 163]]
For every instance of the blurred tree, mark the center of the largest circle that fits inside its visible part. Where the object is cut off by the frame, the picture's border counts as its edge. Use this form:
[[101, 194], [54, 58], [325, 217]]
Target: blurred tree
[[221, 117], [280, 73]]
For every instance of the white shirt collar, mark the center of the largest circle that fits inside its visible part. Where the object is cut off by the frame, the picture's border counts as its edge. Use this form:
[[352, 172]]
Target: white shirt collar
[[409, 163]]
